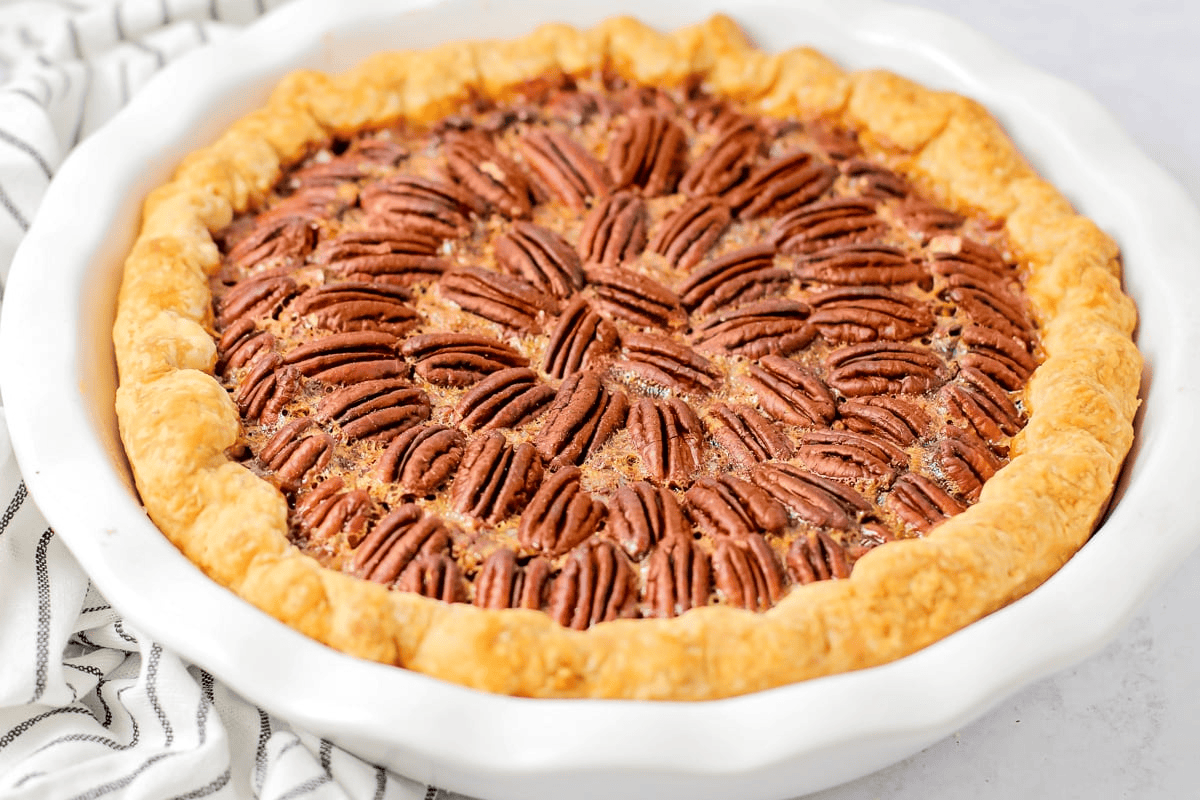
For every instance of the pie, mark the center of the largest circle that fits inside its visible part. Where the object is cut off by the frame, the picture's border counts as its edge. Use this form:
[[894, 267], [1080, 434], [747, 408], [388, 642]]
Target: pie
[[614, 363]]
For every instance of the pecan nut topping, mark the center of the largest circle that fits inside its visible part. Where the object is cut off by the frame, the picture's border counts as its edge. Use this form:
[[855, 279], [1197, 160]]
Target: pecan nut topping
[[737, 277], [380, 410], [329, 510], [582, 417], [747, 572], [614, 231], [791, 392], [727, 162], [731, 506], [266, 388], [849, 456], [396, 541], [747, 436], [509, 301], [818, 557], [579, 341], [568, 171], [867, 313], [354, 306], [295, 451], [240, 344], [542, 257], [343, 358], [280, 241], [504, 399], [255, 299], [421, 459], [690, 231], [1003, 359], [678, 577], [640, 515], [434, 575], [475, 162], [596, 584], [634, 297], [823, 502], [788, 182], [668, 437], [895, 419], [648, 152], [393, 255], [560, 516], [826, 224], [860, 264], [459, 359], [503, 582], [754, 330], [978, 402], [422, 206], [667, 363], [884, 368], [921, 503], [495, 479], [966, 461]]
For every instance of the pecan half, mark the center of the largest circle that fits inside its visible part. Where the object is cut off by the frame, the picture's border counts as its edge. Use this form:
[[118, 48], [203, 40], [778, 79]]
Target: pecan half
[[992, 306], [921, 503], [736, 277], [966, 461], [669, 439], [614, 231], [434, 575], [747, 436], [424, 206], [826, 224], [580, 339], [584, 414], [353, 306], [925, 218], [266, 388], [754, 330], [640, 515], [791, 392], [385, 254], [295, 451], [596, 584], [565, 167], [348, 357], [817, 557], [825, 503], [782, 184], [278, 241], [868, 313], [396, 540], [1002, 358], [847, 455], [667, 363], [859, 264], [380, 410], [329, 510], [459, 359], [747, 572], [509, 301], [473, 160], [873, 181], [255, 299], [503, 582], [635, 297], [727, 162], [960, 256], [504, 399], [678, 578], [884, 368], [687, 234], [421, 459], [731, 506], [240, 344], [649, 151], [895, 419], [540, 256], [560, 516], [495, 479], [981, 404]]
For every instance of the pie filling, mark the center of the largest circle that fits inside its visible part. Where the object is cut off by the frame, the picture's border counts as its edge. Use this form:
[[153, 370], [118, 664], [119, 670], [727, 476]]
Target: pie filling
[[609, 351]]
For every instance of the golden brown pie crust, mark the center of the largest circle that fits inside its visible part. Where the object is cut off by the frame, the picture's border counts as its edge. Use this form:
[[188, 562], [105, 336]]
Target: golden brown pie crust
[[177, 421]]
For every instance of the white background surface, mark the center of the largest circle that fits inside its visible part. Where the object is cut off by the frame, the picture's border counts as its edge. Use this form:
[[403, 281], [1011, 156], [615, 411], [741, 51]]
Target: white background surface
[[1126, 722]]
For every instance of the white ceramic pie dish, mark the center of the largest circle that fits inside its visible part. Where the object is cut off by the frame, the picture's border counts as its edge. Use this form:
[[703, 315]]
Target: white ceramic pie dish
[[58, 379]]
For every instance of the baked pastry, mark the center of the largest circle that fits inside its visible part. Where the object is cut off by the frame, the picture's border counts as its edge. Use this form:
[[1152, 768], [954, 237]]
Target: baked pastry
[[622, 364]]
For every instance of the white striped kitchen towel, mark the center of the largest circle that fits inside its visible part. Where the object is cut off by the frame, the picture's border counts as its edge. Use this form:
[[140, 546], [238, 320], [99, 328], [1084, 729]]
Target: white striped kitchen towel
[[89, 708]]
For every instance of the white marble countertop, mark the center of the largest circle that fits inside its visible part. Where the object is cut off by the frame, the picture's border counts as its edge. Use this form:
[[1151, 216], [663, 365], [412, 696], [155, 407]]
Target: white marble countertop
[[1124, 723]]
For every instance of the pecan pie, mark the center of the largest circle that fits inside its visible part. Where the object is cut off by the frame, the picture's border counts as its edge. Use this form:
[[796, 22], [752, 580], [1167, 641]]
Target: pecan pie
[[614, 363]]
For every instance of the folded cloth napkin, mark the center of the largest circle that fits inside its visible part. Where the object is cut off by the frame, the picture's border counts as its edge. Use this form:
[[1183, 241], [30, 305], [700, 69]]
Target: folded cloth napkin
[[90, 708]]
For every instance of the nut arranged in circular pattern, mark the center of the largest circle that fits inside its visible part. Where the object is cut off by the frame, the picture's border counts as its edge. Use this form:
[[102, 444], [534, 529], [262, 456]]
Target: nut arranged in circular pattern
[[673, 353]]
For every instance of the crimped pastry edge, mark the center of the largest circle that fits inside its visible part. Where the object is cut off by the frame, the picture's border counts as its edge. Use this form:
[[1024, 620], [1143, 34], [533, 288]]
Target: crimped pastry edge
[[176, 421]]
